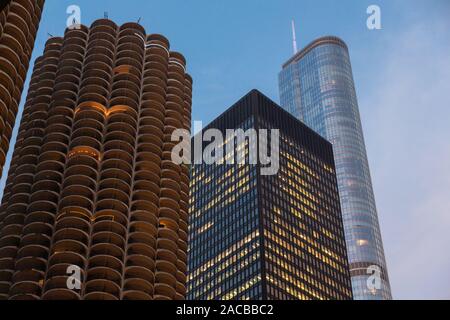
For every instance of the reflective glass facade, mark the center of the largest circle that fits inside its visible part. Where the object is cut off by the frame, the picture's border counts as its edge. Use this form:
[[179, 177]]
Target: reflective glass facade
[[255, 236], [316, 86]]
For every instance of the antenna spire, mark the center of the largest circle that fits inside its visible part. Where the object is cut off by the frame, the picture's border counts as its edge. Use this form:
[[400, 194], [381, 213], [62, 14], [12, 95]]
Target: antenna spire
[[294, 39]]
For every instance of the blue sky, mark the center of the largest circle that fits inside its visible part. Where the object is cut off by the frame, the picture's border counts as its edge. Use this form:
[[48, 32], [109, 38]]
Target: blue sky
[[402, 76]]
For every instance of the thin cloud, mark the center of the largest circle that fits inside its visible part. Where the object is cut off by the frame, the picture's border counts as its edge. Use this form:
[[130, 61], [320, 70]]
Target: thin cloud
[[408, 134]]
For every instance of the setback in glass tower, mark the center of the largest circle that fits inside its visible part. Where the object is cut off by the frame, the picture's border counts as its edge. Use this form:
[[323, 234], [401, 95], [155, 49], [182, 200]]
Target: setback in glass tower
[[277, 236], [316, 86]]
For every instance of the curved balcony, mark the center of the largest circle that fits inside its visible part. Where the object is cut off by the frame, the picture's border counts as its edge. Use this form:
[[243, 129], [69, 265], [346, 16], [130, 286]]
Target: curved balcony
[[26, 263], [96, 107], [128, 77], [69, 245], [57, 141], [143, 205], [154, 84], [104, 277], [83, 121], [11, 229], [99, 57], [73, 55], [76, 200], [169, 203], [85, 146], [125, 96], [129, 294], [85, 151], [142, 240], [117, 164], [121, 137], [95, 93], [67, 222], [113, 195], [167, 233], [25, 288], [32, 250], [80, 180], [118, 121], [60, 270], [59, 116], [115, 184], [163, 265], [146, 183], [103, 25], [99, 295], [5, 277], [121, 131], [130, 52], [108, 237], [8, 253], [166, 278], [111, 215], [145, 216], [27, 276], [141, 273], [87, 132], [108, 249], [115, 173], [93, 96], [95, 81], [155, 75], [106, 261], [37, 228], [101, 35], [141, 251], [164, 292], [112, 204], [182, 269], [71, 234], [59, 283], [78, 191], [51, 168], [153, 112], [132, 28], [67, 258], [44, 195], [97, 73], [82, 169], [102, 47], [124, 85], [61, 294], [168, 213], [78, 34], [10, 241]]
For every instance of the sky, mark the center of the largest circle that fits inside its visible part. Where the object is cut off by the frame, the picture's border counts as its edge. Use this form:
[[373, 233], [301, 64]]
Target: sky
[[402, 78]]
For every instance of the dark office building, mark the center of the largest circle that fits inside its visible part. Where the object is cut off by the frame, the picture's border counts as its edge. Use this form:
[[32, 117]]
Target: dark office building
[[257, 236]]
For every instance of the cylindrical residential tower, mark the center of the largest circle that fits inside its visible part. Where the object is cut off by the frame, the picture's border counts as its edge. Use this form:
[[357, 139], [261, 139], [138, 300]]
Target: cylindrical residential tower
[[92, 187], [316, 86], [19, 21]]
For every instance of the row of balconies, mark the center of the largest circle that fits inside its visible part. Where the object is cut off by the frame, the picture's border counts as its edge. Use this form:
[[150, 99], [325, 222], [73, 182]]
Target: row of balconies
[[129, 234]]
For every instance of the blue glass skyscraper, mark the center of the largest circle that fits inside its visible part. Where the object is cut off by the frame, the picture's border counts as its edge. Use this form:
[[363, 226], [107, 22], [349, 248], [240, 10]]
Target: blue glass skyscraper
[[316, 85]]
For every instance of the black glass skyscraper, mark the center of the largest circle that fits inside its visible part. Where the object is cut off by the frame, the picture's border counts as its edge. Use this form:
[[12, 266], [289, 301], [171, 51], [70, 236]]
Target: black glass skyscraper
[[257, 236]]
